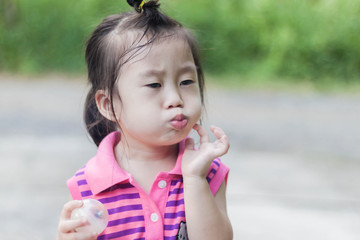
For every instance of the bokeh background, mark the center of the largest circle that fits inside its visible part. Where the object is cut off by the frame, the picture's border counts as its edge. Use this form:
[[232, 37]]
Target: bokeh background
[[283, 80], [299, 40]]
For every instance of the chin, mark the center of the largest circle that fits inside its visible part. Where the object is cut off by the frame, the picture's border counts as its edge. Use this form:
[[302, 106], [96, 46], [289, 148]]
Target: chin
[[177, 138]]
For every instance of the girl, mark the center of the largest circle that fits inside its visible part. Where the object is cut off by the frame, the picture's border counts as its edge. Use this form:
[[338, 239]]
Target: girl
[[146, 97]]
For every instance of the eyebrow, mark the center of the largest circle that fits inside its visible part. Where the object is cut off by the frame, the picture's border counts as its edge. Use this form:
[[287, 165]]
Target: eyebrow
[[153, 72], [188, 67]]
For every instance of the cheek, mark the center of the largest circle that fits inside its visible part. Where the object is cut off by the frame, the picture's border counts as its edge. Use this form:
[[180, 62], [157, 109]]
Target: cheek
[[196, 109], [137, 117]]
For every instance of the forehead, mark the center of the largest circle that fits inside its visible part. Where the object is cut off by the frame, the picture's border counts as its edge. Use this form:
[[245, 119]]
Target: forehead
[[149, 53]]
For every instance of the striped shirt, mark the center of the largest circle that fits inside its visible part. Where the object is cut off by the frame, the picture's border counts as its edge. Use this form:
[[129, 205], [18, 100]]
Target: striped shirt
[[133, 213]]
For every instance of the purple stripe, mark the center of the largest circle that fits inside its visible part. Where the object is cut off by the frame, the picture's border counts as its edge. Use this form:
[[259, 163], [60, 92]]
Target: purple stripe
[[125, 208], [170, 238], [126, 220], [139, 239], [86, 193], [218, 164], [175, 203], [175, 215], [174, 182], [123, 185], [79, 173], [122, 233], [81, 182], [171, 227], [120, 197], [208, 179], [176, 191], [213, 171], [118, 186]]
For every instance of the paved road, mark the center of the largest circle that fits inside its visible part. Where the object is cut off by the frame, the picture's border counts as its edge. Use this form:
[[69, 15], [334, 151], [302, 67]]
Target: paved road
[[294, 158]]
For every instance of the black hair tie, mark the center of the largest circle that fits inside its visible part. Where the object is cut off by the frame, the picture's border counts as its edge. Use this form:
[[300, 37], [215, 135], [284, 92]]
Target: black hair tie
[[137, 4]]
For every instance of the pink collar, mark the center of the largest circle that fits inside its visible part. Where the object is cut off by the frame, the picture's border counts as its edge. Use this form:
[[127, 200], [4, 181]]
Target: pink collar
[[103, 171]]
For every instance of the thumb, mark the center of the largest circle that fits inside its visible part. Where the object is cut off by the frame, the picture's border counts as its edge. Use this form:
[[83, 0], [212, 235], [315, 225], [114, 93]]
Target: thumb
[[189, 144]]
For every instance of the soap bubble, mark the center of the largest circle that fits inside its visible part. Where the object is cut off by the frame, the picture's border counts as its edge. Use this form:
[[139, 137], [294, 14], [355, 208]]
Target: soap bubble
[[96, 214]]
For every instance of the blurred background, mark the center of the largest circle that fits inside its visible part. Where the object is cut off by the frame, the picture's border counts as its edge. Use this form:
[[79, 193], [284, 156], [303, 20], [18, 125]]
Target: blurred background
[[283, 80]]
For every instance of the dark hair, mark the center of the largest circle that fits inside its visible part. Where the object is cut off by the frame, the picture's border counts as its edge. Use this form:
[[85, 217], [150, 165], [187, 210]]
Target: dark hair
[[107, 48]]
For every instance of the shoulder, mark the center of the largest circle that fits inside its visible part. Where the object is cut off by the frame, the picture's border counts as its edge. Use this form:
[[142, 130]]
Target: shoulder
[[99, 173], [218, 173], [76, 183]]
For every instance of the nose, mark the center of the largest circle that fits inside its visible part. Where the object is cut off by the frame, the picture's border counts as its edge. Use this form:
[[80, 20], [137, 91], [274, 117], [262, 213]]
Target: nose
[[173, 99]]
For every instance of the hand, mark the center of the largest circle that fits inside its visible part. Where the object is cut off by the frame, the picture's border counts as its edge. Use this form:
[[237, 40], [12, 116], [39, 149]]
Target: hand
[[197, 163], [66, 227]]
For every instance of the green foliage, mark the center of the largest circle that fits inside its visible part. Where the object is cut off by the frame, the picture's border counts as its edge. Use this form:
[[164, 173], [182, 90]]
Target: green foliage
[[48, 35], [307, 39]]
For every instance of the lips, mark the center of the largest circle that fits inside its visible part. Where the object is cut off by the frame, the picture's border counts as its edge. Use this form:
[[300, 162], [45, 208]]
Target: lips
[[179, 122]]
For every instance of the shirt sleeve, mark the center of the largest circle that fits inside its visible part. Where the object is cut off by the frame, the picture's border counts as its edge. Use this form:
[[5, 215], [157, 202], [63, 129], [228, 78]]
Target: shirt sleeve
[[218, 172]]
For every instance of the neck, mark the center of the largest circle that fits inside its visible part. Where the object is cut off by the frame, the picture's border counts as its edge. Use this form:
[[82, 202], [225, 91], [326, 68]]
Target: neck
[[131, 156]]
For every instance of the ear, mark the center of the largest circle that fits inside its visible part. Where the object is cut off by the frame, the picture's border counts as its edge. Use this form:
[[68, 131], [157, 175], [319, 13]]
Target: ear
[[103, 103]]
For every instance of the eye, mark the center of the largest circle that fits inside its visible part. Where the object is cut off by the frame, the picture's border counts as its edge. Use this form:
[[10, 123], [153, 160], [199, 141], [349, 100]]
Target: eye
[[154, 85], [186, 82]]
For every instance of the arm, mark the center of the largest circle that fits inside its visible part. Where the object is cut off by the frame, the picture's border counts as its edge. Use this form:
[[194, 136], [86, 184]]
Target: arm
[[206, 215]]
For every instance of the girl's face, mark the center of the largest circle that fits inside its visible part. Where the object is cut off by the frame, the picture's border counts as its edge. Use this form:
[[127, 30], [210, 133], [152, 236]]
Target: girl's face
[[160, 96]]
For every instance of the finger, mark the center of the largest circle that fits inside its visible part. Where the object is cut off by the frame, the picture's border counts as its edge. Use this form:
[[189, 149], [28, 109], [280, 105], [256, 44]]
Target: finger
[[223, 140], [189, 144], [204, 137], [218, 132], [68, 226], [69, 207]]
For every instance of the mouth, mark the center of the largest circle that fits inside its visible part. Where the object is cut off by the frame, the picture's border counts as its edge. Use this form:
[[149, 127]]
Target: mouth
[[179, 122]]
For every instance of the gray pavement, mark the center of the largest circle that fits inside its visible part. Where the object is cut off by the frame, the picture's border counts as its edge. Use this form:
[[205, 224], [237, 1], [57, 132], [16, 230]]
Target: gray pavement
[[294, 159]]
